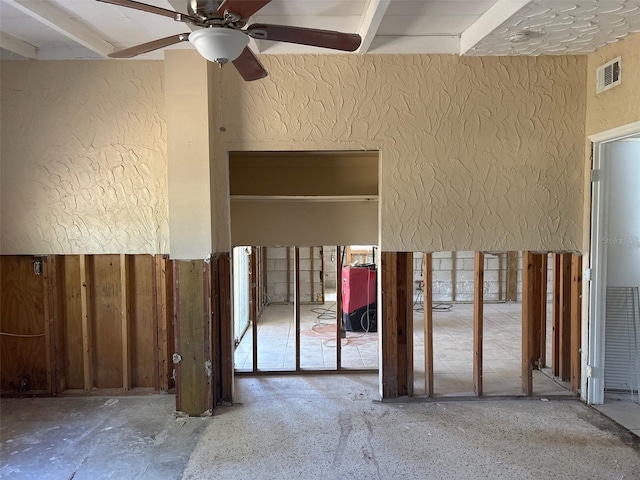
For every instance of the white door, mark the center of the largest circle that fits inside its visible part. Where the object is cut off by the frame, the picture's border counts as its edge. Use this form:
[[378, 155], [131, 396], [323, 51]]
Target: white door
[[615, 326]]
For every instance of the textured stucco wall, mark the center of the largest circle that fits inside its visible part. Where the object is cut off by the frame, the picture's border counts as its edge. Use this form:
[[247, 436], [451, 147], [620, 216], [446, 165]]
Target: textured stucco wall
[[620, 105], [475, 153], [84, 167]]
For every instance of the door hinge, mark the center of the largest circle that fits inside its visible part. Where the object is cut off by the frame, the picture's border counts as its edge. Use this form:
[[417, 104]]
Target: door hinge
[[595, 175]]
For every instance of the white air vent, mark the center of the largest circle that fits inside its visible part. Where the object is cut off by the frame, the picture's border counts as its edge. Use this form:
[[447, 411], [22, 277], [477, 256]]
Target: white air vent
[[608, 75]]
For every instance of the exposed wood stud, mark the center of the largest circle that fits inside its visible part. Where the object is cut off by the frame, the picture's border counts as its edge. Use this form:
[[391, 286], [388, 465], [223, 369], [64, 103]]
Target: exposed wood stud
[[529, 311], [542, 362], [207, 337], [87, 351], [565, 317], [47, 266], [312, 277], [576, 320], [454, 275], [226, 331], [296, 301], [556, 314], [288, 249], [427, 292], [254, 314], [478, 321], [512, 276], [125, 317]]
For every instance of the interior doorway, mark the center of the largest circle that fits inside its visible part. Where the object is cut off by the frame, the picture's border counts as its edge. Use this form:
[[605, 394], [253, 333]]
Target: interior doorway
[[614, 320]]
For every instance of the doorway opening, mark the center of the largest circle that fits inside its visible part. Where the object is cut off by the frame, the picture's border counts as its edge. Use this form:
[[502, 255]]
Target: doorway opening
[[614, 317]]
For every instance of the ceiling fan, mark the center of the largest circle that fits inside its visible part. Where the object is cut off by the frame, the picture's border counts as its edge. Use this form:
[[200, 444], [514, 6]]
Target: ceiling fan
[[223, 37]]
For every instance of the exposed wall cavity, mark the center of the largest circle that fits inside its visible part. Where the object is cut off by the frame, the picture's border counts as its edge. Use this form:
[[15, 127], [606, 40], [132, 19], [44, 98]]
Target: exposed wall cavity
[[84, 166]]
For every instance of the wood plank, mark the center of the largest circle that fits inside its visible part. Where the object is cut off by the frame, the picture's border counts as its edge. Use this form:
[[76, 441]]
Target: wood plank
[[226, 331], [389, 333], [296, 302], [254, 317], [556, 314], [143, 293], [73, 327], [405, 331], [512, 276], [427, 292], [288, 249], [48, 323], [209, 397], [23, 357], [528, 320], [565, 317], [177, 325], [454, 276], [312, 277], [87, 331], [190, 300], [57, 307], [169, 344], [106, 313], [125, 317], [542, 357], [576, 321], [478, 322]]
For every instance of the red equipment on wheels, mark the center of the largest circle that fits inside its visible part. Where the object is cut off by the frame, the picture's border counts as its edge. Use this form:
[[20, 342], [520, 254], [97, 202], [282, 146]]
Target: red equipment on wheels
[[359, 298]]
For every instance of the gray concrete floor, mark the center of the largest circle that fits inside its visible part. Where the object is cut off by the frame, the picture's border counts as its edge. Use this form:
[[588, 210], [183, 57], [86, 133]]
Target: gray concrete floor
[[309, 427], [95, 437]]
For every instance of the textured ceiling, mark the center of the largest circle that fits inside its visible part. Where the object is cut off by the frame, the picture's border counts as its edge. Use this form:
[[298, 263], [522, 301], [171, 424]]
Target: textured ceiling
[[561, 27], [68, 29]]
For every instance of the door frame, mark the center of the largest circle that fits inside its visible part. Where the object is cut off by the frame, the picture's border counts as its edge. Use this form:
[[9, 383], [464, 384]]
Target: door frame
[[593, 381]]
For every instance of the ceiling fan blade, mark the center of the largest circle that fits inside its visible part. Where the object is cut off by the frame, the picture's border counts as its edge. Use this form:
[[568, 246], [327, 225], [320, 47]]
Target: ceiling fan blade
[[244, 8], [249, 66], [178, 17], [347, 42], [150, 46]]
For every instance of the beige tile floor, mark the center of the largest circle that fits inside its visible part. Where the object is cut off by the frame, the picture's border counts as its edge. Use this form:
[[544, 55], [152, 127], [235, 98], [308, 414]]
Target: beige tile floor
[[452, 348]]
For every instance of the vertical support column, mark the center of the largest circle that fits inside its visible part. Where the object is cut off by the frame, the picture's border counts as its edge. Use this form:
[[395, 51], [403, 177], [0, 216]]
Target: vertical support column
[[454, 275], [254, 310], [296, 302], [542, 356], [397, 324], [226, 327], [339, 329], [288, 274], [556, 314], [162, 276], [87, 350], [312, 280], [530, 318], [190, 297], [565, 317], [125, 320], [512, 276], [48, 264], [427, 292], [478, 321], [576, 320]]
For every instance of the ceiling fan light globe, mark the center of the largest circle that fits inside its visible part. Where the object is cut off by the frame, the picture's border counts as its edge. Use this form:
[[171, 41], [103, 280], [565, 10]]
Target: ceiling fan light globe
[[220, 45]]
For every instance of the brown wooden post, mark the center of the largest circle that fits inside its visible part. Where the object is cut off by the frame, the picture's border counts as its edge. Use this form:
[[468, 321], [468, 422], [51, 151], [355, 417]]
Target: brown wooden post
[[87, 349], [512, 276], [576, 320], [254, 309], [312, 277], [543, 310], [288, 274], [48, 271], [397, 324], [478, 320], [565, 317], [190, 300], [454, 275], [427, 292], [556, 313], [125, 318], [163, 312], [296, 302], [226, 327], [529, 311]]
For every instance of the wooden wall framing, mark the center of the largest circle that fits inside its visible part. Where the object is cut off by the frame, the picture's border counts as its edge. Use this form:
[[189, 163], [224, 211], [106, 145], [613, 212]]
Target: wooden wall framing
[[100, 322]]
